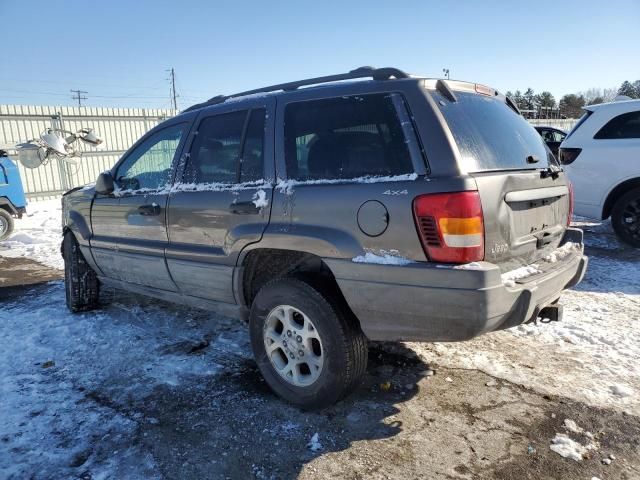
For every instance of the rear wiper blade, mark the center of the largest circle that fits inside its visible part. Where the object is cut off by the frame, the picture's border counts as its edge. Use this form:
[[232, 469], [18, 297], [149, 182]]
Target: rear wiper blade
[[551, 170]]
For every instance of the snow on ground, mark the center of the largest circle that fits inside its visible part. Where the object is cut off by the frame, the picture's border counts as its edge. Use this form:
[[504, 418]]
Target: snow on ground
[[56, 368], [592, 355], [37, 235]]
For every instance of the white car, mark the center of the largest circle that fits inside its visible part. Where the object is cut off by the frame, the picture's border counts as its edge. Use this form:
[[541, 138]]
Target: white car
[[602, 157]]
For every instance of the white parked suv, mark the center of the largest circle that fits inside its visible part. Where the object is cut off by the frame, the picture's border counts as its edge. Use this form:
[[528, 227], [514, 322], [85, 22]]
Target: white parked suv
[[602, 158]]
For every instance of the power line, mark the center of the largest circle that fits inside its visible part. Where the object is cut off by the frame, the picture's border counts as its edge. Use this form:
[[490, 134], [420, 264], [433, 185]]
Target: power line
[[78, 96], [35, 92], [156, 86]]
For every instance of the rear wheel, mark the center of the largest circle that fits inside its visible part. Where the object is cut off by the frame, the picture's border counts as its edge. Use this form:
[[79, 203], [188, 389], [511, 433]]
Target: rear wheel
[[310, 350], [6, 224], [625, 218], [81, 283]]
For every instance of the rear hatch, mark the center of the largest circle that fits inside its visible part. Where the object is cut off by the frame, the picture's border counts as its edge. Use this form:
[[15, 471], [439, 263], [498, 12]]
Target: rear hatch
[[524, 195]]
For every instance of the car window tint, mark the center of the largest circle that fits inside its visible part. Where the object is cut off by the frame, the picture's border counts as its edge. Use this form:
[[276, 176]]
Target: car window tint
[[251, 169], [343, 138], [626, 125], [557, 136], [148, 166], [215, 151]]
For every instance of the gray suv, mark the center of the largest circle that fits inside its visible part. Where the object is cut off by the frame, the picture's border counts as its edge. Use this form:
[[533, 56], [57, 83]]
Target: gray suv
[[368, 205]]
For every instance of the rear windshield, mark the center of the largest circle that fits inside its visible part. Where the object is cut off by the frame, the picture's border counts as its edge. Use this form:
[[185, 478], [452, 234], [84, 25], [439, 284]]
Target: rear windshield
[[490, 135]]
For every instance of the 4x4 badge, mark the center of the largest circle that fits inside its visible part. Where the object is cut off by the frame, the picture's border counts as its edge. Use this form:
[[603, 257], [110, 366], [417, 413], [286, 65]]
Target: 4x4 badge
[[395, 192]]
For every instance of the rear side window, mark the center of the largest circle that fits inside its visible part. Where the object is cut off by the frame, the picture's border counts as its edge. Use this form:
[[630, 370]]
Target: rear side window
[[216, 149], [626, 125], [220, 154], [489, 134], [251, 169], [345, 138]]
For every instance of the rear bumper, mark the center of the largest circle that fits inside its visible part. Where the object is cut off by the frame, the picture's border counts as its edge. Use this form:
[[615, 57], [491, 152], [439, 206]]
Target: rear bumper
[[425, 302]]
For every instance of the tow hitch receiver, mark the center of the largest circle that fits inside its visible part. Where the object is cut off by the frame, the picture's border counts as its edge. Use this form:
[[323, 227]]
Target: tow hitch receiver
[[551, 313]]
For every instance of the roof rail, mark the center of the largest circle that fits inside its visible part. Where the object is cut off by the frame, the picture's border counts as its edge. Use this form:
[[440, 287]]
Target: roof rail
[[362, 72]]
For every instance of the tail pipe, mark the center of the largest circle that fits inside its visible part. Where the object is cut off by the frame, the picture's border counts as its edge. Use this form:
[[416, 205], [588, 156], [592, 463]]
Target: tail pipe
[[551, 313]]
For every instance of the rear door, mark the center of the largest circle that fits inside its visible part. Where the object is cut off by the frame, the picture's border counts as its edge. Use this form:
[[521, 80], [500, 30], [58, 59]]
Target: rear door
[[525, 197], [222, 199]]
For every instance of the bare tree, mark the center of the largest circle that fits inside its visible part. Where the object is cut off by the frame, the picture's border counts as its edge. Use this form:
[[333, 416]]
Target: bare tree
[[593, 96]]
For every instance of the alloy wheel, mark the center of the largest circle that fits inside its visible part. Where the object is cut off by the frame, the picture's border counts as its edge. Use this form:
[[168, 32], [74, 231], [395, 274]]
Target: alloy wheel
[[293, 345]]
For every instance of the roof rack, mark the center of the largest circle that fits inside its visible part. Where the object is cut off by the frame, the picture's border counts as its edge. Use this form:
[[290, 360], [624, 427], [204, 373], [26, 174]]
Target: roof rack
[[363, 72]]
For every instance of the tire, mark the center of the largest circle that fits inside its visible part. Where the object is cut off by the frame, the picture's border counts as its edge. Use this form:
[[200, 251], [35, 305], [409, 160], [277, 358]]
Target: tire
[[81, 283], [625, 218], [6, 224], [340, 347]]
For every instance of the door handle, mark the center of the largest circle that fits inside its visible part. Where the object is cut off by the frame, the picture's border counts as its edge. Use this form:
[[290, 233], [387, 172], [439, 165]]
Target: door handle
[[149, 210], [244, 208]]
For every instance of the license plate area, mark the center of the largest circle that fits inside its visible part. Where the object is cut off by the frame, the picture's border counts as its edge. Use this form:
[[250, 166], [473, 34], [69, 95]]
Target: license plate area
[[536, 217]]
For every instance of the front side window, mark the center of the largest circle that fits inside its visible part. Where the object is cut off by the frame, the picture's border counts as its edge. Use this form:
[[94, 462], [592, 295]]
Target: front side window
[[626, 125], [149, 164], [345, 138]]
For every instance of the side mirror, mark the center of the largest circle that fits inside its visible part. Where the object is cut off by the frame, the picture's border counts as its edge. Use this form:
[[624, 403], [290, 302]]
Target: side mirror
[[104, 184]]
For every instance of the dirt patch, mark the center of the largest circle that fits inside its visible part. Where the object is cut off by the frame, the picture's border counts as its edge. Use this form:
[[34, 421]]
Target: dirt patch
[[23, 271], [406, 421]]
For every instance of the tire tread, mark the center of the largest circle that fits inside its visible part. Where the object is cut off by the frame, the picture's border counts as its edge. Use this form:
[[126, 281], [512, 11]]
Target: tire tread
[[82, 287]]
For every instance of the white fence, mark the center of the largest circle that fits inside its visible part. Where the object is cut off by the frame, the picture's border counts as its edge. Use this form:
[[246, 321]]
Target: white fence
[[118, 127], [565, 124]]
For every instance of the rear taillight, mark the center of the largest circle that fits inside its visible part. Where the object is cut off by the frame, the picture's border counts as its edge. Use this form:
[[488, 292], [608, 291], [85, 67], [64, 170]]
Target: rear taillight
[[450, 226], [570, 185], [568, 155]]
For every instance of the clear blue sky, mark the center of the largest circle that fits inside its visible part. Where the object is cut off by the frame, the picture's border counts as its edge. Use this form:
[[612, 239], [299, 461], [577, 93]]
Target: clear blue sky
[[119, 50]]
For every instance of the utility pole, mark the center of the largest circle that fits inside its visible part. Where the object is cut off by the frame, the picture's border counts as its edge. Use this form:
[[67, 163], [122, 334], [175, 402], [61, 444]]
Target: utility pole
[[173, 89], [78, 96]]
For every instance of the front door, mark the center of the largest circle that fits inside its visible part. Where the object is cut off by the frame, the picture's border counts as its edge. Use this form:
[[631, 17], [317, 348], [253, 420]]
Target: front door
[[221, 202], [130, 226]]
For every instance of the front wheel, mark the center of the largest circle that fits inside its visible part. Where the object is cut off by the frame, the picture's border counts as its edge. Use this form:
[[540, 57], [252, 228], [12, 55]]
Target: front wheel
[[6, 224], [625, 218], [310, 350], [81, 283]]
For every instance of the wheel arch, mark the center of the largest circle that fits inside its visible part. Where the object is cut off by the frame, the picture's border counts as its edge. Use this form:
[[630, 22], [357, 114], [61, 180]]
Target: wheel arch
[[617, 192], [261, 265], [6, 205]]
